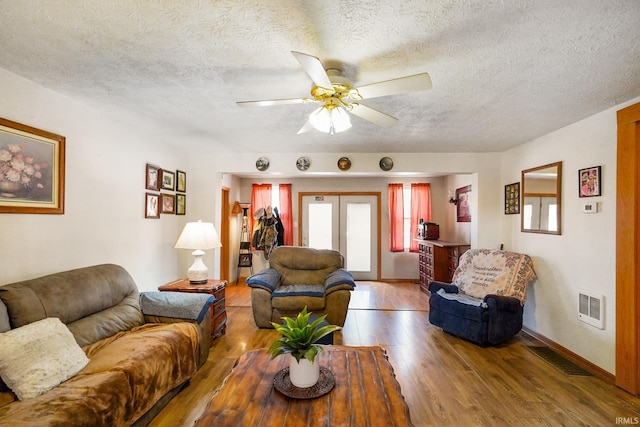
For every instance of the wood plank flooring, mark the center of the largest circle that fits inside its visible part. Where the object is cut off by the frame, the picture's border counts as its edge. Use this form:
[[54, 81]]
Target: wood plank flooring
[[446, 381]]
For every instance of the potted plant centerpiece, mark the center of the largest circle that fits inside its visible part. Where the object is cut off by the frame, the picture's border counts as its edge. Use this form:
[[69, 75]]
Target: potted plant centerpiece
[[300, 340]]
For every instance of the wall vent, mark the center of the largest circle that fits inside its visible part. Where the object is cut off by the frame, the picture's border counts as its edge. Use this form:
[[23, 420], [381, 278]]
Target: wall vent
[[591, 308]]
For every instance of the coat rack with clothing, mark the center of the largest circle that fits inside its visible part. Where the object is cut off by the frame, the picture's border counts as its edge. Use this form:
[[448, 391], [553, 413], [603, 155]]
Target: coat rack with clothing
[[268, 231]]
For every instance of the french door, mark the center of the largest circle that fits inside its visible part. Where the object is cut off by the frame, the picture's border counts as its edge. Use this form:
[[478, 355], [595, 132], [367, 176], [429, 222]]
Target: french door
[[347, 223]]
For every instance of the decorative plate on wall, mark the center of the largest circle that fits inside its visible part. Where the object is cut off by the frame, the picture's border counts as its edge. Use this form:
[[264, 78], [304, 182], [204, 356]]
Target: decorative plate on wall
[[386, 164], [262, 164], [303, 163], [344, 163]]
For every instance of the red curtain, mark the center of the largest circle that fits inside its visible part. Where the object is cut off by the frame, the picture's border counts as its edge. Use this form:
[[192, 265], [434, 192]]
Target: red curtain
[[260, 198], [396, 218], [286, 214], [420, 209]]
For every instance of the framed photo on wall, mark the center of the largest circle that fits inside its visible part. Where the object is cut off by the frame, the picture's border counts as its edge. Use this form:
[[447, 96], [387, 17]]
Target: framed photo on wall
[[181, 204], [152, 177], [151, 206], [463, 208], [181, 181], [167, 203], [32, 170], [590, 182], [168, 180], [512, 198]]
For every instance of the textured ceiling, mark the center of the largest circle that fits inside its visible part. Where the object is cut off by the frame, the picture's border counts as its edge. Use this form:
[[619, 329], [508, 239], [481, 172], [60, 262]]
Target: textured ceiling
[[503, 72]]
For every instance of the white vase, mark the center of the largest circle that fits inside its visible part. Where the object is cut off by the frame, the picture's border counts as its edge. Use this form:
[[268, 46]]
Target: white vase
[[304, 374]]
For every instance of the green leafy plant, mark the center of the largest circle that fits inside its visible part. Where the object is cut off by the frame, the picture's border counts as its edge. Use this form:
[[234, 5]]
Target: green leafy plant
[[299, 337]]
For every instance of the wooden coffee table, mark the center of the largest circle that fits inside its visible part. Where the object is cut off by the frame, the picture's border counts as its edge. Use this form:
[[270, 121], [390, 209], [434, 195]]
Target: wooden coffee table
[[366, 393]]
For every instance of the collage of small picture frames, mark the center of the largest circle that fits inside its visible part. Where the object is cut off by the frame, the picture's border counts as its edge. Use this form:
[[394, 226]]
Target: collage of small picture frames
[[162, 181]]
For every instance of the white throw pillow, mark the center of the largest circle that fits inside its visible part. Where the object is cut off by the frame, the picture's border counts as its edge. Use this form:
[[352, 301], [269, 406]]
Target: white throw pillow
[[37, 357]]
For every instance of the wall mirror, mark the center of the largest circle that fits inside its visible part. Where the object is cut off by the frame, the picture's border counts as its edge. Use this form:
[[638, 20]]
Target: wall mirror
[[542, 199]]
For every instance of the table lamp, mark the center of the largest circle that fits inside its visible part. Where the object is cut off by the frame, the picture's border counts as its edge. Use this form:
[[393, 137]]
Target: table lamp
[[199, 236]]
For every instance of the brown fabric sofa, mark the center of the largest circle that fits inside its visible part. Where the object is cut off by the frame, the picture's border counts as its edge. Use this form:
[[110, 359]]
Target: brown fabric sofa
[[137, 360], [298, 277]]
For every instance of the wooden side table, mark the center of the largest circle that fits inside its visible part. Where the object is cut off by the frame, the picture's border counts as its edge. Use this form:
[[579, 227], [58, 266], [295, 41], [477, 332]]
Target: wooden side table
[[213, 287]]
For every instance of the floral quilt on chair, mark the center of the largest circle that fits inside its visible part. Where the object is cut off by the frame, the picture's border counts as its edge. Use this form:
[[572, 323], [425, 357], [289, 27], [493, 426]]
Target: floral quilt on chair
[[487, 271]]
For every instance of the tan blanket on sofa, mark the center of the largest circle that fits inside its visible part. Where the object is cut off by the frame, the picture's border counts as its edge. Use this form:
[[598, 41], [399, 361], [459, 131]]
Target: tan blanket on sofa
[[124, 370]]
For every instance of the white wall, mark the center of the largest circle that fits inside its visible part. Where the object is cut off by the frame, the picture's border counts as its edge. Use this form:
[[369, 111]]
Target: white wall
[[104, 195], [454, 230], [583, 257]]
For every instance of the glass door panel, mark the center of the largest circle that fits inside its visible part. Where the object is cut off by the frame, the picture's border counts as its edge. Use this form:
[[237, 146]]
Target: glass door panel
[[347, 223]]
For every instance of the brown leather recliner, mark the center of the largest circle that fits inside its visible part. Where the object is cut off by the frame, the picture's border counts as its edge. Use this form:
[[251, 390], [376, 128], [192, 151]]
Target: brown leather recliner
[[298, 277]]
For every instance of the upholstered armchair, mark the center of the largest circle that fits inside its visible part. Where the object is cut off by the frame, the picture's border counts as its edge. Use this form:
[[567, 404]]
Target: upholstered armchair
[[299, 277], [484, 303]]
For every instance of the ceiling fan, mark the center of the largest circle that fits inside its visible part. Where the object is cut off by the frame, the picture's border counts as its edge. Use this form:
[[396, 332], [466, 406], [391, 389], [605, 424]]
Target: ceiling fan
[[339, 96]]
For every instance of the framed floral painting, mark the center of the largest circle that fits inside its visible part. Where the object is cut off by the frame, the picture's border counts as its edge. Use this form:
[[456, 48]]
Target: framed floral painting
[[31, 170]]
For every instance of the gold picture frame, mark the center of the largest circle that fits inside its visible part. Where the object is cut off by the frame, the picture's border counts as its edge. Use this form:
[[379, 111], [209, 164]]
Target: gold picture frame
[[32, 169]]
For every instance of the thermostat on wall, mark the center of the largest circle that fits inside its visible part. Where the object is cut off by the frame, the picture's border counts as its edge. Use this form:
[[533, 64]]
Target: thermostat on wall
[[590, 207]]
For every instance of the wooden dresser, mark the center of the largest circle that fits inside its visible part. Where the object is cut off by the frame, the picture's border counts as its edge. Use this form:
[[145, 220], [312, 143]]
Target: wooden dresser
[[438, 260], [212, 287]]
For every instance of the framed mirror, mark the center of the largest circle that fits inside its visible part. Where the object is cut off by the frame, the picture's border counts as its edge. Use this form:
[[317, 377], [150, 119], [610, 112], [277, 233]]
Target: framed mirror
[[542, 199]]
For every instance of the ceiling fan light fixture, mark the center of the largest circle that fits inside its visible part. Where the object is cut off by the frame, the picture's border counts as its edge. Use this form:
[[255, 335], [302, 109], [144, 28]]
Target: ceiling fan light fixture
[[330, 119]]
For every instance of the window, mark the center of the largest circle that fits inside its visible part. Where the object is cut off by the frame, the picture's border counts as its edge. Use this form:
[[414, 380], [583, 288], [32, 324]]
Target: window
[[275, 195], [408, 204]]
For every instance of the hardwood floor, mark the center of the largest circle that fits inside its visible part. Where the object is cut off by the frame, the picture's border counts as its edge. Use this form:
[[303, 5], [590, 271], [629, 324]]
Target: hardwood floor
[[446, 381]]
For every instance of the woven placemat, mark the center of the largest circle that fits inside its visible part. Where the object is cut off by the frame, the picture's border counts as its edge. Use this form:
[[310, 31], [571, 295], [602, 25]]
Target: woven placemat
[[326, 382]]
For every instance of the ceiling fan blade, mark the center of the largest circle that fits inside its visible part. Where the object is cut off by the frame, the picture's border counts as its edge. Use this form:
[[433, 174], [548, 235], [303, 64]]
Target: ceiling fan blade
[[306, 128], [372, 115], [314, 69], [413, 83], [270, 102]]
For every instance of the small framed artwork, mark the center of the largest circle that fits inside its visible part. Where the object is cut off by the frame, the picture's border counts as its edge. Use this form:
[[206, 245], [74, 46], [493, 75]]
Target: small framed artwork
[[512, 198], [32, 163], [181, 181], [590, 182], [168, 180], [181, 204], [245, 260], [167, 203], [152, 181], [151, 206], [463, 208]]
